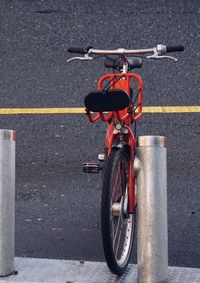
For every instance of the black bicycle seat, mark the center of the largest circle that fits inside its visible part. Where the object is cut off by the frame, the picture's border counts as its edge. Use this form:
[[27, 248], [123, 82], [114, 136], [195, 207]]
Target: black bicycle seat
[[109, 100], [117, 62]]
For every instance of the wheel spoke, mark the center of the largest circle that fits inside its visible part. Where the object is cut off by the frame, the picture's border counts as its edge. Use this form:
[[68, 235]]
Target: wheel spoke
[[119, 238], [115, 234], [120, 182], [116, 182]]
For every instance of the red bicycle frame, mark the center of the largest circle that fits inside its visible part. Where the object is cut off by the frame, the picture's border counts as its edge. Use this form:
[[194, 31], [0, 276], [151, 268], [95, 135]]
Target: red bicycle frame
[[127, 116]]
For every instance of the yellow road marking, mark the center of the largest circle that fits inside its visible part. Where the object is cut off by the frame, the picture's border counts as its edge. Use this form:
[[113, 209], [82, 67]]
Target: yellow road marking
[[147, 109], [171, 109], [8, 111]]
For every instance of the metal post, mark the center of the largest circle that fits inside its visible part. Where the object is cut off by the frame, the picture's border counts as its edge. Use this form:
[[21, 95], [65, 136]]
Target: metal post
[[152, 236], [7, 201]]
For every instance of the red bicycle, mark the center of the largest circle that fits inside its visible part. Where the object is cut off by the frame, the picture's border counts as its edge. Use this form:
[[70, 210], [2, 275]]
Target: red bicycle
[[118, 101]]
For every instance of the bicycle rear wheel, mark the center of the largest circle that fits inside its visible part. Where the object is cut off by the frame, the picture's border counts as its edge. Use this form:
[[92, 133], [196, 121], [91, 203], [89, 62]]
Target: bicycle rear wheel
[[117, 226]]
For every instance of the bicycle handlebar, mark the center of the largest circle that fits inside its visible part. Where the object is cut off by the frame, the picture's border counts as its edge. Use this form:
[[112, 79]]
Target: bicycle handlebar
[[177, 48], [77, 50], [159, 49]]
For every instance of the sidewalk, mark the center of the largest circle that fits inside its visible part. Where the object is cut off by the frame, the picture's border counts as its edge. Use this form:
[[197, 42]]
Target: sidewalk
[[34, 270]]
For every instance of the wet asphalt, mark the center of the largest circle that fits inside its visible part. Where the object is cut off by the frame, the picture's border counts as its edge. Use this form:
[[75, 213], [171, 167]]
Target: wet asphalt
[[57, 206]]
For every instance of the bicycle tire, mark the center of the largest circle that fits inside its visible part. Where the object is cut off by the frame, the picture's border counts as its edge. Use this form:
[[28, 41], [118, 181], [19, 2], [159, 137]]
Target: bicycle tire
[[117, 166]]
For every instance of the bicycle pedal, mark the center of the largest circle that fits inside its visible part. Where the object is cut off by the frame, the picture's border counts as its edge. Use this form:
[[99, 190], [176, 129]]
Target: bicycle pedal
[[91, 167]]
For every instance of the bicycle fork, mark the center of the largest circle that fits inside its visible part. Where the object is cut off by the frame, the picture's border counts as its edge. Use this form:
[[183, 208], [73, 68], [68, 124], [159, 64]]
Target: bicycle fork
[[111, 142]]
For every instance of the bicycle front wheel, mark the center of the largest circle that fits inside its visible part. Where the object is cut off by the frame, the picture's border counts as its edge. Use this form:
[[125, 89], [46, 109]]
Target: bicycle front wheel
[[116, 224]]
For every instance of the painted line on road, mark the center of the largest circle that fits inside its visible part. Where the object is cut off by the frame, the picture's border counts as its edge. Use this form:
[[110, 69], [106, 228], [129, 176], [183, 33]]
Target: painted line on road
[[146, 109], [171, 109], [10, 111]]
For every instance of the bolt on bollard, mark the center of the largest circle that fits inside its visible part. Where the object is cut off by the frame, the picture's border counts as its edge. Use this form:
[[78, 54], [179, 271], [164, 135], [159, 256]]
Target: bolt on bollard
[[152, 234], [7, 201]]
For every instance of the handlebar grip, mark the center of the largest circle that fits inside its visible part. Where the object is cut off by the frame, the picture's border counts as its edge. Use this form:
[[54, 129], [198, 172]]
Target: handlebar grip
[[176, 48], [77, 50]]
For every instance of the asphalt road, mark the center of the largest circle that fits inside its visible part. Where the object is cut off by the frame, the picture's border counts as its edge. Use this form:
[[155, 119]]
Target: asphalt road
[[57, 206]]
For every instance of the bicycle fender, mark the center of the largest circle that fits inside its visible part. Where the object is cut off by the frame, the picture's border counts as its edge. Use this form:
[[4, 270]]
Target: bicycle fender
[[122, 145]]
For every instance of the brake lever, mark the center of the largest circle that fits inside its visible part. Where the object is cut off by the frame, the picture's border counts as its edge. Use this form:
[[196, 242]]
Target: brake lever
[[86, 57], [158, 51], [155, 56]]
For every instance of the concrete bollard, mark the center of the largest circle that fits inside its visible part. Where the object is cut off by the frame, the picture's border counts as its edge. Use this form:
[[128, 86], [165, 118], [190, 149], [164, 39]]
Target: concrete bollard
[[152, 235], [7, 201]]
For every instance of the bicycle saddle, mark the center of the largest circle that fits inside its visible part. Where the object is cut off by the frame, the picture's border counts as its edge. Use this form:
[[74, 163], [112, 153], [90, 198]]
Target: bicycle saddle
[[109, 100], [117, 63]]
